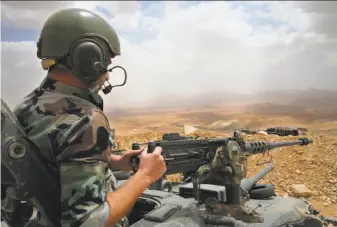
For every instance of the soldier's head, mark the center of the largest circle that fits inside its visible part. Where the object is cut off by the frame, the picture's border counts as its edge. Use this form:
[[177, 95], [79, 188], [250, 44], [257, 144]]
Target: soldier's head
[[77, 46]]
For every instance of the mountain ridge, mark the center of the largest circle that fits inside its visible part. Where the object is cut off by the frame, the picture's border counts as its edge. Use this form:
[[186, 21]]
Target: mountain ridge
[[308, 99]]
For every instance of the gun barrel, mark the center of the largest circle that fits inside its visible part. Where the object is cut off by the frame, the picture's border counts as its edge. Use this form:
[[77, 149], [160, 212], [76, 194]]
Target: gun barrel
[[248, 183], [256, 147]]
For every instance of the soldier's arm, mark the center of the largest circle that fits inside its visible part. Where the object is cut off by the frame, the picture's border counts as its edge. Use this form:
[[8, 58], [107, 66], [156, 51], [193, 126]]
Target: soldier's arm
[[84, 172], [123, 199], [86, 181], [151, 168]]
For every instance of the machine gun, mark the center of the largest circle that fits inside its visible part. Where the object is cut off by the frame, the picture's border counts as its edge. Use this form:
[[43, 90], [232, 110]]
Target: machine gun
[[186, 155], [214, 163]]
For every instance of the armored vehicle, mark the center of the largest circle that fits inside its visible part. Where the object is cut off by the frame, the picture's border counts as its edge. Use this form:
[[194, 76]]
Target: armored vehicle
[[214, 191]]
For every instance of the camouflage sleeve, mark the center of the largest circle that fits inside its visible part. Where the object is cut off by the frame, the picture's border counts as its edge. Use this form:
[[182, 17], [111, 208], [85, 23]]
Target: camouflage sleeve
[[84, 174]]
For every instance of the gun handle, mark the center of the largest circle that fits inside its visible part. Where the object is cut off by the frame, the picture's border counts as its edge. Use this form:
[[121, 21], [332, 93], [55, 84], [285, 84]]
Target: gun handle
[[135, 160], [151, 146]]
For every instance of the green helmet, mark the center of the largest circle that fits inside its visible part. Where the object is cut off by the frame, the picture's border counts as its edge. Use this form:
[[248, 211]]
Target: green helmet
[[63, 28], [81, 40]]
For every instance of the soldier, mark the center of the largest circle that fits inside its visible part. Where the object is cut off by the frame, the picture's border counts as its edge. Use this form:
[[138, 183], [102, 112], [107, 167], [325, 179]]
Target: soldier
[[76, 47]]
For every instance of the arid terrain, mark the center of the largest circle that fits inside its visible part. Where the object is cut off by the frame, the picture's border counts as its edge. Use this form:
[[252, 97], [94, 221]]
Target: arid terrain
[[314, 166]]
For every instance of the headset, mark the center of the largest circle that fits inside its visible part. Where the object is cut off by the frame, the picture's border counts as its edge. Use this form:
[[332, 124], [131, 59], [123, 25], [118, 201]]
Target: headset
[[89, 59]]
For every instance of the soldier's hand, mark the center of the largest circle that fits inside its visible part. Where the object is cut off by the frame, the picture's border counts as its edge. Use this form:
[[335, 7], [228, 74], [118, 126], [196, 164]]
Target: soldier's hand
[[123, 162], [152, 165]]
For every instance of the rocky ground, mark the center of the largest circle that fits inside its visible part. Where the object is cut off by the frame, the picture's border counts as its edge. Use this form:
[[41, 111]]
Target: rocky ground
[[314, 166]]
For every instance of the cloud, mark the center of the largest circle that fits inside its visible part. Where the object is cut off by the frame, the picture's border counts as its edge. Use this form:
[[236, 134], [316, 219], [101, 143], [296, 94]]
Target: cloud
[[173, 48], [322, 16]]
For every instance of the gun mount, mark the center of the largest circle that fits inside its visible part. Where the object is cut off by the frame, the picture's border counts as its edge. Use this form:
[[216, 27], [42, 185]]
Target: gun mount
[[219, 192]]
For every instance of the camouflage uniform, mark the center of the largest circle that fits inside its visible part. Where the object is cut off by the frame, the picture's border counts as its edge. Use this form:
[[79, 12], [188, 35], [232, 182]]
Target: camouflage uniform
[[82, 166]]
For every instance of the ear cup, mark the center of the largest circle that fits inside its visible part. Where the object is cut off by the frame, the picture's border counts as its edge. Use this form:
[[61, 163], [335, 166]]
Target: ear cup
[[88, 60]]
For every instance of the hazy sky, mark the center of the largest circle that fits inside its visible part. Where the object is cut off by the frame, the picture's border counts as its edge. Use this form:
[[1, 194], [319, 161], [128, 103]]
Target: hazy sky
[[171, 48]]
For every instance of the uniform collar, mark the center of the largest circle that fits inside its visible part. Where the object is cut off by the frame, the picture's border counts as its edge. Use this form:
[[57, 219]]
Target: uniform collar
[[52, 85]]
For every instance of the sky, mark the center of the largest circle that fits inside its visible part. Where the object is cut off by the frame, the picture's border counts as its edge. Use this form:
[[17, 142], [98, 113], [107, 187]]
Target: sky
[[185, 48]]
